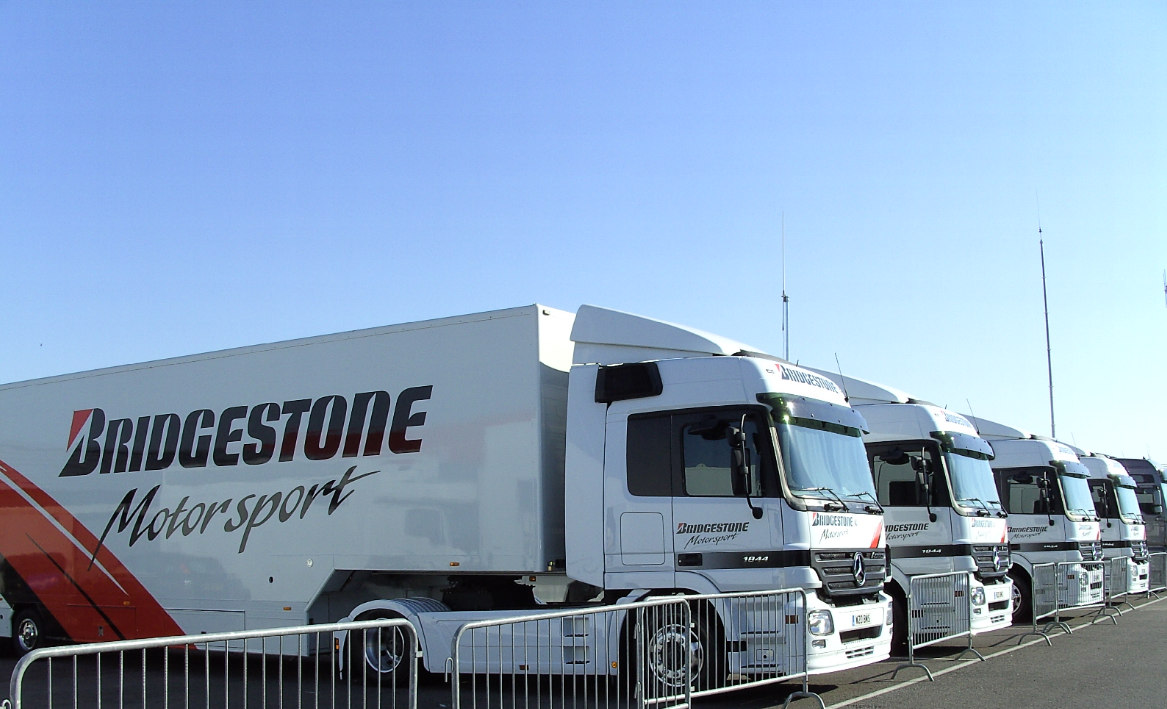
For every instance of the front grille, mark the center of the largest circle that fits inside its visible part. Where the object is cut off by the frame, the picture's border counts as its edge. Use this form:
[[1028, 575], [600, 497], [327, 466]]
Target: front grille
[[1091, 551], [855, 654], [990, 565], [1139, 549], [998, 606], [836, 569], [850, 636]]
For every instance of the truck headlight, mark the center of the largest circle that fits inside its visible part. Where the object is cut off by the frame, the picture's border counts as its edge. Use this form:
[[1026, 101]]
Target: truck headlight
[[1084, 581], [978, 596], [820, 622]]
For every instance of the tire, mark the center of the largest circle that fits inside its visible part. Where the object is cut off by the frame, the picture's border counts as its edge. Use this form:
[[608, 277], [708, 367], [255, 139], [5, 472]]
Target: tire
[[1022, 599], [383, 653], [899, 624], [28, 632], [669, 640]]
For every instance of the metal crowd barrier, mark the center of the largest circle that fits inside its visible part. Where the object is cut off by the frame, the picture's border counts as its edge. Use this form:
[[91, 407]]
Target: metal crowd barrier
[[1158, 573], [279, 667], [661, 652], [939, 609], [1116, 584], [1052, 593]]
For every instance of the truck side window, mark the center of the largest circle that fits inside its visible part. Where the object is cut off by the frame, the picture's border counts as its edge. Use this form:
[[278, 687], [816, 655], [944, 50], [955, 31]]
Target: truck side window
[[897, 474], [706, 455], [1021, 492], [687, 452], [1105, 501], [648, 455], [1146, 497]]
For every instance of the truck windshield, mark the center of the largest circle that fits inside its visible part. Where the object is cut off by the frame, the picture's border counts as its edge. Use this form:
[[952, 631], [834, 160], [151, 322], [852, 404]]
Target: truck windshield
[[822, 450], [1075, 490], [972, 481], [1128, 502]]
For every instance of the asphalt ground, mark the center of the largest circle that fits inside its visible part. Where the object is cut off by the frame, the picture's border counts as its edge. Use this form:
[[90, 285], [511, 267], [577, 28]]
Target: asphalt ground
[[1101, 663]]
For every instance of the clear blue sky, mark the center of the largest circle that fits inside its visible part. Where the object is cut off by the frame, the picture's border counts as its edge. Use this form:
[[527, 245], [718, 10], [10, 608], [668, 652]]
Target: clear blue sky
[[184, 177]]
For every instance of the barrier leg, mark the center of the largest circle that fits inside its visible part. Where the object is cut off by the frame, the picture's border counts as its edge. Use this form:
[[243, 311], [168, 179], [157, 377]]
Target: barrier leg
[[971, 649], [912, 642], [805, 692]]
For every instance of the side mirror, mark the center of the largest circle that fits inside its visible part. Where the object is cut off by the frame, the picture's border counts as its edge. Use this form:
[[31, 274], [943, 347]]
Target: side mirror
[[739, 466], [1156, 509]]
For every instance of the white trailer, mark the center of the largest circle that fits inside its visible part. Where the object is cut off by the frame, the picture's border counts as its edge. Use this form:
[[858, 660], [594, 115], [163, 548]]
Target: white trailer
[[941, 507], [1051, 514], [443, 471], [1124, 535]]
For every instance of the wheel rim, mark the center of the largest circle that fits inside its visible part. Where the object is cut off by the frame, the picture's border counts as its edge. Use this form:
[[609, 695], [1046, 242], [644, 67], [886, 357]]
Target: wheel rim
[[667, 650], [28, 634], [1017, 600], [384, 649]]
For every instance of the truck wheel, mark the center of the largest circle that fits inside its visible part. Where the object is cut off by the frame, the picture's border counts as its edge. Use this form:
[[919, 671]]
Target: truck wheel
[[668, 642], [899, 624], [384, 651], [27, 632], [1022, 599]]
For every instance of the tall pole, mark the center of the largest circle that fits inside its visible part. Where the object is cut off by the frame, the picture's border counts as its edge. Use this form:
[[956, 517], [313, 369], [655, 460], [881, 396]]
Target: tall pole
[[1048, 356], [785, 298]]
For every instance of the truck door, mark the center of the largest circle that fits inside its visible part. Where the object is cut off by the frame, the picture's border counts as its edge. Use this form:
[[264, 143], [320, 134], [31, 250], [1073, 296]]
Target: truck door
[[722, 529], [683, 509], [638, 523]]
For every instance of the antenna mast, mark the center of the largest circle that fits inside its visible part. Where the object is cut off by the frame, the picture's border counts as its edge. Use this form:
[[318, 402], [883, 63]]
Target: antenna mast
[[1048, 356], [786, 299]]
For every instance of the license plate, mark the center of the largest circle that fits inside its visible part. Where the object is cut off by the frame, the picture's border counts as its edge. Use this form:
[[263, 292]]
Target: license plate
[[860, 619]]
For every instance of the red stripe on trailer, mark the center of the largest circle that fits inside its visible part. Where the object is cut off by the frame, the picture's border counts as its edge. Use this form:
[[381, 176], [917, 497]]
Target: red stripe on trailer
[[92, 598], [80, 418], [40, 568]]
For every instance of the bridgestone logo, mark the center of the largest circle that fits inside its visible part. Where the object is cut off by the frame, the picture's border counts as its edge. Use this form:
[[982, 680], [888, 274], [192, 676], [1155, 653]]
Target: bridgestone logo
[[713, 528], [312, 429], [814, 380], [833, 521], [957, 419], [914, 527]]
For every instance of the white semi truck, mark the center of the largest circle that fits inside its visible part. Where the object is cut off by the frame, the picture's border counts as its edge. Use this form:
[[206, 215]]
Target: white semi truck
[[444, 471], [1051, 515], [1124, 535], [942, 512], [1151, 491]]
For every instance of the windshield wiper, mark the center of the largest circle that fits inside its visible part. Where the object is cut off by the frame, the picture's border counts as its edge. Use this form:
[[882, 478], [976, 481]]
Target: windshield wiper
[[873, 509], [984, 511], [842, 505]]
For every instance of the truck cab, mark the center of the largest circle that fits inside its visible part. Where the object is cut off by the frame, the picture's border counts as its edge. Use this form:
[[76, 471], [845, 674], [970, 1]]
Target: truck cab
[[1151, 492], [1124, 535], [1052, 518], [697, 466], [932, 477]]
